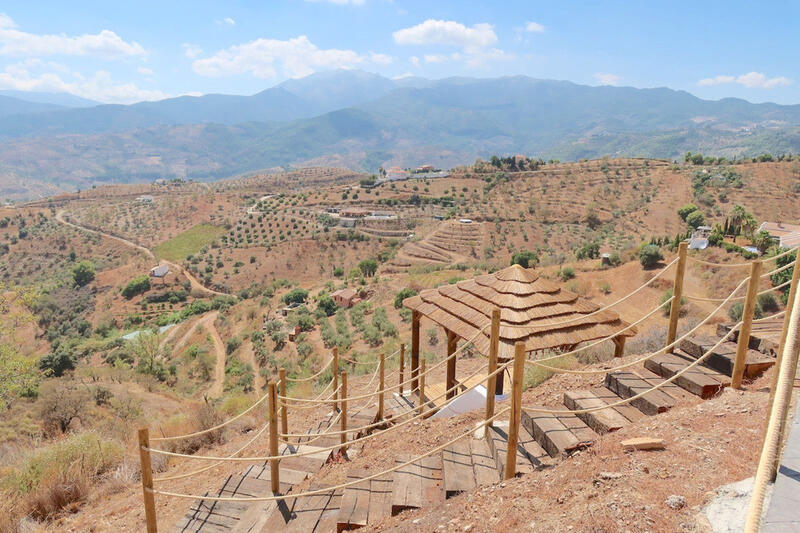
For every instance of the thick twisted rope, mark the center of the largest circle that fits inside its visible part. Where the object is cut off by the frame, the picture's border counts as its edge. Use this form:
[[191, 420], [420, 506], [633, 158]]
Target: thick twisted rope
[[736, 265]]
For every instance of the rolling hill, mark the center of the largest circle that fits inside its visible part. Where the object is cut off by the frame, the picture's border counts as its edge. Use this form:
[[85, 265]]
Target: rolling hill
[[363, 120]]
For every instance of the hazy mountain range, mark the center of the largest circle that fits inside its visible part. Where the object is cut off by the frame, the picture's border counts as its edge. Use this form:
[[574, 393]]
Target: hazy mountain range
[[363, 120]]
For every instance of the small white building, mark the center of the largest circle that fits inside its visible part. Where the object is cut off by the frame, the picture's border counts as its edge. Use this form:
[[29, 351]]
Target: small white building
[[145, 199], [159, 271]]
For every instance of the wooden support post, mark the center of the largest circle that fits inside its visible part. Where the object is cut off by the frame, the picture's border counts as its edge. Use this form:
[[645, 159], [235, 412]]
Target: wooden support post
[[619, 346], [516, 409], [415, 319], [422, 387], [274, 464], [381, 370], [343, 411], [335, 370], [677, 293], [747, 325], [450, 382], [285, 407], [784, 332], [147, 481], [402, 367], [491, 383]]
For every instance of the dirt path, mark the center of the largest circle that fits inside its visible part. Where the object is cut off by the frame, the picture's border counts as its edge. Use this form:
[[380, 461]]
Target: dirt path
[[175, 267], [249, 357], [185, 337], [216, 389]]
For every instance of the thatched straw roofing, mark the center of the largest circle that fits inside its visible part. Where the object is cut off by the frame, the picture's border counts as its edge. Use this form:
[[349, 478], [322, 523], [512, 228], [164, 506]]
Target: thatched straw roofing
[[531, 309]]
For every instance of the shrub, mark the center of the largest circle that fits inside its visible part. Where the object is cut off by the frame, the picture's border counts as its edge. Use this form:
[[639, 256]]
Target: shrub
[[525, 259], [650, 255], [402, 295], [137, 285], [588, 251], [737, 309], [604, 287], [232, 344], [368, 267], [60, 405], [297, 295], [56, 363], [666, 307], [83, 273], [566, 273], [695, 219], [685, 210], [768, 303], [327, 305]]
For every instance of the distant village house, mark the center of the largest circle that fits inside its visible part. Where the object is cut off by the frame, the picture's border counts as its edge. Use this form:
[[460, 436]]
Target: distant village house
[[346, 298], [784, 235]]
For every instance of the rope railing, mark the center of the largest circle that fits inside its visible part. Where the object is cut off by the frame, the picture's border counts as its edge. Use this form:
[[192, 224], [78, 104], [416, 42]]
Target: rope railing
[[736, 265], [405, 422], [737, 298], [308, 403], [309, 378], [601, 309], [388, 388], [413, 409], [345, 485], [639, 360], [313, 437]]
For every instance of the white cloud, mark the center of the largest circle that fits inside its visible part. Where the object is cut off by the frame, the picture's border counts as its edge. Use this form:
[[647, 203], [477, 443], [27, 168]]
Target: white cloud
[[341, 2], [192, 51], [414, 60], [6, 22], [606, 78], [403, 75], [534, 27], [751, 80], [144, 71], [435, 58], [380, 59], [447, 32], [105, 44], [484, 58], [716, 80], [757, 80], [37, 75], [227, 21], [267, 58]]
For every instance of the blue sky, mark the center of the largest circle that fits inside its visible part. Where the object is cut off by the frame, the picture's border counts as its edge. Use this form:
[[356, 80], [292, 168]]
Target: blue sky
[[119, 52]]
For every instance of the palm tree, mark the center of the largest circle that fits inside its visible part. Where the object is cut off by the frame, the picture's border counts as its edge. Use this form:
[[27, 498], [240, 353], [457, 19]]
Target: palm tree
[[738, 214]]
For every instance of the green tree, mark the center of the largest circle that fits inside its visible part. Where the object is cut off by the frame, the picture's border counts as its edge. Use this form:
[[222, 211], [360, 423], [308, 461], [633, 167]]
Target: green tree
[[327, 305], [368, 267], [684, 210], [402, 295], [763, 241], [650, 255], [137, 285], [296, 295], [525, 259], [695, 219], [83, 273]]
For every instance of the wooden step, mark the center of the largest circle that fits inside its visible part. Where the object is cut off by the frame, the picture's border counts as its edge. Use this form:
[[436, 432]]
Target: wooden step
[[467, 464], [364, 503], [212, 516], [764, 336], [670, 388], [723, 357], [317, 514], [530, 455], [307, 463], [628, 384], [603, 421], [699, 380], [626, 410], [557, 434], [417, 484]]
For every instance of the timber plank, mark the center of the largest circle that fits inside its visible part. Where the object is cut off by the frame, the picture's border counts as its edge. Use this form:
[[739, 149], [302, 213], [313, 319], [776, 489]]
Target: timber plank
[[354, 507], [670, 389], [694, 380], [608, 396], [549, 432], [306, 514], [406, 485], [602, 421], [628, 384], [585, 435], [530, 454], [380, 499], [457, 468], [483, 463], [432, 482], [723, 357]]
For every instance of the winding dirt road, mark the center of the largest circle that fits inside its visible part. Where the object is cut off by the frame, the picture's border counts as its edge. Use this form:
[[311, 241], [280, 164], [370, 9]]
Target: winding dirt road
[[195, 284]]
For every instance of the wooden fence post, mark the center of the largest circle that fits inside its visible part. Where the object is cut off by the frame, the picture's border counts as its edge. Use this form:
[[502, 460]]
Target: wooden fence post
[[516, 409], [343, 412], [381, 369], [421, 377], [284, 408], [677, 295], [491, 384], [147, 481], [335, 370], [402, 367], [274, 464], [747, 323], [415, 324]]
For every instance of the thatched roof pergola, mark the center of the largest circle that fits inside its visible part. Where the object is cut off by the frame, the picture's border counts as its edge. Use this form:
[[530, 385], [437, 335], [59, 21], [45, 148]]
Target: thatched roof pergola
[[534, 310]]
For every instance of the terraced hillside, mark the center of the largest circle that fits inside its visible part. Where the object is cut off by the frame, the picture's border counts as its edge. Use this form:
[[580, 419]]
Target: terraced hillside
[[453, 242]]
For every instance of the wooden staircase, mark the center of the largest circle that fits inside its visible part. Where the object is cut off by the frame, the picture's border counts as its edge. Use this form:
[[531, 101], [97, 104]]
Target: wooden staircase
[[465, 465]]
